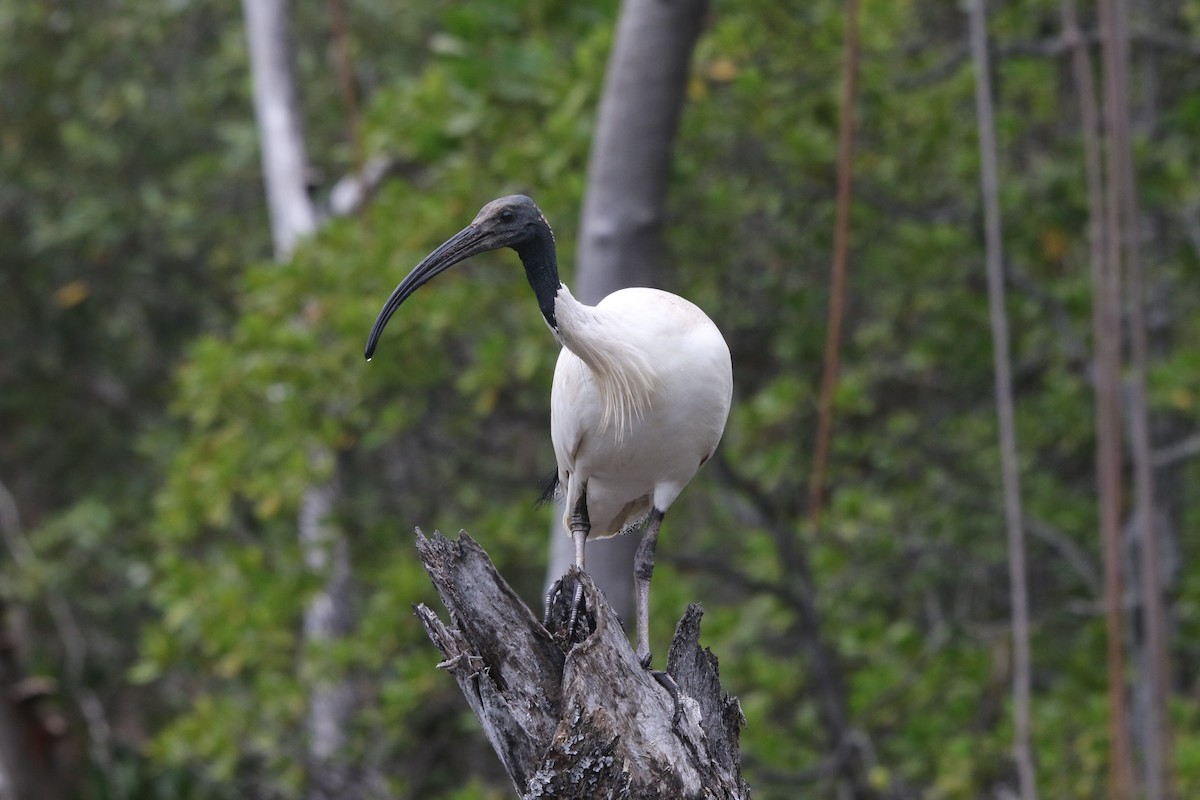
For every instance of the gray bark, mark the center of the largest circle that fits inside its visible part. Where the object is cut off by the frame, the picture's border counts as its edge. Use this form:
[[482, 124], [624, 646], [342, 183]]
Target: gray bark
[[1005, 410], [328, 616], [623, 210], [293, 216], [1106, 335], [578, 719], [644, 89], [279, 124], [1154, 678]]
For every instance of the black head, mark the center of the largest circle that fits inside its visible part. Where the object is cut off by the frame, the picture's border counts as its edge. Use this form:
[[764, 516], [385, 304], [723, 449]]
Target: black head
[[513, 221], [509, 222]]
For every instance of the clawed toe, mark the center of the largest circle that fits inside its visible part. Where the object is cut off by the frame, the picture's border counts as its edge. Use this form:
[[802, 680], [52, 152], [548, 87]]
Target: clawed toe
[[555, 616], [667, 682], [551, 593], [576, 604]]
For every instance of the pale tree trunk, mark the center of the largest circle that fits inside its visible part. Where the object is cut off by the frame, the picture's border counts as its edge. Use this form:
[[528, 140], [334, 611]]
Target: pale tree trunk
[[1123, 215], [280, 128], [1106, 346], [990, 189], [328, 617], [620, 241], [576, 715], [326, 551]]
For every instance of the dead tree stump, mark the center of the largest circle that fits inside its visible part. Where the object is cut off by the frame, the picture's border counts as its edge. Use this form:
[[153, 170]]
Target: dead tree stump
[[580, 719]]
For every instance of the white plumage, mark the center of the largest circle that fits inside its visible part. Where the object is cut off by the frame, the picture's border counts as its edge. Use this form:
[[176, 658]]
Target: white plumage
[[640, 397], [641, 390]]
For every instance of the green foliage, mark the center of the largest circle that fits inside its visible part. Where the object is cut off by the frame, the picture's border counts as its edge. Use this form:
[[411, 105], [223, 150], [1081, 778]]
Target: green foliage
[[288, 380], [168, 397], [911, 558]]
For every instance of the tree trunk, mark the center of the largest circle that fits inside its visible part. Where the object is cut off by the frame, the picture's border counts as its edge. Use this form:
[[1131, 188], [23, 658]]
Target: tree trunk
[[1106, 332], [326, 552], [620, 241], [26, 746], [1153, 678], [1005, 410], [580, 718], [328, 617], [280, 129]]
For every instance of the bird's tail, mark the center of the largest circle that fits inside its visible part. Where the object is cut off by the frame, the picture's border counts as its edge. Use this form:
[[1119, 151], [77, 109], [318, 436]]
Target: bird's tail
[[550, 491]]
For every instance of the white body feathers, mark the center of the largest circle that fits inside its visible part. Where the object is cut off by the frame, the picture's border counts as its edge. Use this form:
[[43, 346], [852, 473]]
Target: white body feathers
[[641, 390], [640, 397]]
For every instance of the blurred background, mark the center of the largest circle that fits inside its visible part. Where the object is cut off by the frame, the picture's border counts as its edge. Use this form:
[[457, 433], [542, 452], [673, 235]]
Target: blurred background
[[207, 497]]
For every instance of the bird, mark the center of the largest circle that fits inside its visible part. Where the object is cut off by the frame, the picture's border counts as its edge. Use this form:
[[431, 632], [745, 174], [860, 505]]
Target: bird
[[640, 395]]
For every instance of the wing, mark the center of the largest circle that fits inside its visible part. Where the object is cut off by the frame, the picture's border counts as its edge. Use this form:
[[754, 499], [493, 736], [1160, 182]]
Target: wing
[[575, 412], [571, 383]]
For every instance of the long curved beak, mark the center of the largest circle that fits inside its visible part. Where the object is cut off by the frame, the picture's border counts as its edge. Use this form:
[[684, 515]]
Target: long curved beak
[[468, 242]]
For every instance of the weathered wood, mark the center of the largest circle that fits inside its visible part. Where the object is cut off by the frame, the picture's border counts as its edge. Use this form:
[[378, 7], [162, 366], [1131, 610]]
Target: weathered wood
[[580, 718]]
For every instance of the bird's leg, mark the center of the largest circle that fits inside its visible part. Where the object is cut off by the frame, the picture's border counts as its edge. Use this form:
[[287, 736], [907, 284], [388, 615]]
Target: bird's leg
[[580, 527], [643, 570]]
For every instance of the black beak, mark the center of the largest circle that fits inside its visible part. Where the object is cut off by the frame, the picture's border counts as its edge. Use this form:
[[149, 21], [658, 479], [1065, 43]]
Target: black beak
[[468, 242]]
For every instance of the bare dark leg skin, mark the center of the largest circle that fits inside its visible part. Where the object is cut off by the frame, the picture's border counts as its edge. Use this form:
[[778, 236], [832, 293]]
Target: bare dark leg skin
[[580, 527], [550, 593], [643, 571]]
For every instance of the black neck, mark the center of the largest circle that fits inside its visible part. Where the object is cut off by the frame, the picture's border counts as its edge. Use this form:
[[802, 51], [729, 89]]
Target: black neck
[[541, 268]]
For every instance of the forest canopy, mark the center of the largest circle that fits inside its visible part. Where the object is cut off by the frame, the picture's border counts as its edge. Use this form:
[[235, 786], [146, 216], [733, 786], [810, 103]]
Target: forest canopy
[[171, 392]]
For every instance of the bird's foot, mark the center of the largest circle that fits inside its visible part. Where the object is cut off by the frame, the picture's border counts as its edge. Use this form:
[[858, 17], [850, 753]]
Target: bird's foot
[[576, 602], [566, 615], [665, 680], [551, 595]]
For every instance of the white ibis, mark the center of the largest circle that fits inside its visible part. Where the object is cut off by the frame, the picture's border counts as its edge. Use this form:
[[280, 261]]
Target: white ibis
[[641, 390]]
